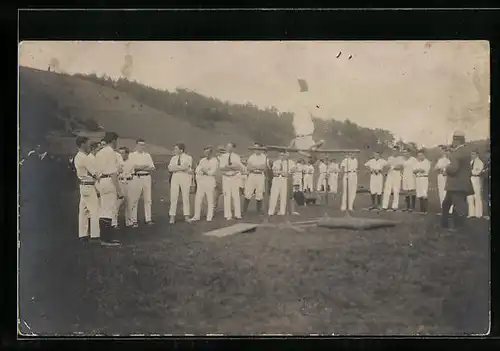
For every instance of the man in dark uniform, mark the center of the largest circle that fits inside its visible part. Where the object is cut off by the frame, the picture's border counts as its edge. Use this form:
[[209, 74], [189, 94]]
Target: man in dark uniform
[[458, 183]]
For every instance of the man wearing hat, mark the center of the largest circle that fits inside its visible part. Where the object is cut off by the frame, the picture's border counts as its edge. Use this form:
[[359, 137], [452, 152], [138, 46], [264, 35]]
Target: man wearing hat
[[221, 149], [109, 188], [458, 183], [393, 180], [376, 165], [486, 177], [308, 170], [421, 170], [282, 168], [205, 180], [230, 166], [256, 181], [322, 183]]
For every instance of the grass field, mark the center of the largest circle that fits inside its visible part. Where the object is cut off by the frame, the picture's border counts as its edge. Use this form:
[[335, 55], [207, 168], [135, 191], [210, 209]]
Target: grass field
[[414, 278]]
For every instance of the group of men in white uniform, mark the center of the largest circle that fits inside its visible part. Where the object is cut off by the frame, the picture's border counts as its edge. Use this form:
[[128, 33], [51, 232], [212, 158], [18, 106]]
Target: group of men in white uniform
[[111, 179]]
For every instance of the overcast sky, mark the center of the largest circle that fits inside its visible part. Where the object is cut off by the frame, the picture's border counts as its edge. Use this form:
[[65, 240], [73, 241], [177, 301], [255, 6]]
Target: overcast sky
[[421, 91]]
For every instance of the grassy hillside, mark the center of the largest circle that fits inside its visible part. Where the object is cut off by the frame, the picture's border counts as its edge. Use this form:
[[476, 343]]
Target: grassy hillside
[[50, 101]]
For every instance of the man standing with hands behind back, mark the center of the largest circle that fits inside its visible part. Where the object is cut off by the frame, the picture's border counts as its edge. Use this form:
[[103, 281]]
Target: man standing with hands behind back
[[107, 165], [458, 184], [180, 166]]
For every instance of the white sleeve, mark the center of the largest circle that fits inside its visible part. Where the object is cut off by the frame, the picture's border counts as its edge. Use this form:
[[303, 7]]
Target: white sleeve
[[150, 161]]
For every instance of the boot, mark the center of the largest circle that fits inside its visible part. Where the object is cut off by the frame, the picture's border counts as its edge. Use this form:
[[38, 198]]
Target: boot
[[246, 202], [259, 206], [421, 202], [379, 201], [407, 202], [107, 232], [413, 202]]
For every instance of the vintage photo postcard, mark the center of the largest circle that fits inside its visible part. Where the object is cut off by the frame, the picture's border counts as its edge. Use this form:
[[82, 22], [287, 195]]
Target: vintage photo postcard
[[254, 188]]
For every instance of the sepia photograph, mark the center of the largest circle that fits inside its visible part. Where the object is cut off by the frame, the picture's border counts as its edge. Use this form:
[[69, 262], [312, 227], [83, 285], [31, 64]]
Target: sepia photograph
[[336, 188]]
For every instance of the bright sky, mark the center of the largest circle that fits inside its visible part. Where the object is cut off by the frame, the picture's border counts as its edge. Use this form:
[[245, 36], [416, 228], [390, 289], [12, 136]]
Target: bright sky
[[421, 91]]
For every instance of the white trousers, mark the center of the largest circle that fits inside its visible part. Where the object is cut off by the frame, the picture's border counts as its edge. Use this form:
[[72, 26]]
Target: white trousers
[[422, 187], [409, 181], [297, 181], [441, 180], [333, 182], [278, 192], [140, 186], [109, 196], [309, 182], [321, 183], [124, 186], [88, 210], [205, 187], [255, 183], [376, 184], [181, 182], [392, 185], [351, 180], [231, 191], [475, 201]]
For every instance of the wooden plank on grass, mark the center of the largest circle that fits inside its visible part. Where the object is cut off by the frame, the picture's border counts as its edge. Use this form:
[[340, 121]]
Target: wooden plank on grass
[[234, 229]]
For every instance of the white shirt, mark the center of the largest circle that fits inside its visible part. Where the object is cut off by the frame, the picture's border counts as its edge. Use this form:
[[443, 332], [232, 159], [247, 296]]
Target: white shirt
[[207, 166], [258, 161], [308, 169], [106, 161], [352, 163], [84, 165], [477, 166], [333, 168], [127, 168], [376, 165], [323, 168], [235, 161], [441, 164], [395, 161], [298, 170], [409, 164], [185, 161], [283, 167], [422, 167], [141, 159]]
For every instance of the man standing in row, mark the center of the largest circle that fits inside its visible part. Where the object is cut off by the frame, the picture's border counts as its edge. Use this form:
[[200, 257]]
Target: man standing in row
[[180, 166], [230, 166], [322, 184], [108, 186], [458, 183], [475, 200], [333, 178], [282, 168], [409, 181], [349, 166], [143, 166], [205, 180], [393, 180], [421, 170], [89, 204], [485, 175], [128, 186], [440, 167], [256, 182], [376, 166]]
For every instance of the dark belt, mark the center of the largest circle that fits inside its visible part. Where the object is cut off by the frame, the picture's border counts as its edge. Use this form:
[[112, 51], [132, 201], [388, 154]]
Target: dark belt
[[351, 172], [106, 176], [141, 174], [422, 176], [127, 178], [85, 182], [280, 176], [257, 172]]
